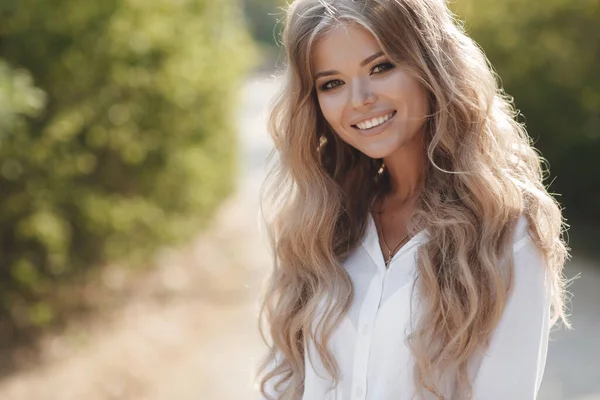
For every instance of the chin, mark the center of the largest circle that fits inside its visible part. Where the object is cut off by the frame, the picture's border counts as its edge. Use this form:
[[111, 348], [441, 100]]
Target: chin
[[377, 152]]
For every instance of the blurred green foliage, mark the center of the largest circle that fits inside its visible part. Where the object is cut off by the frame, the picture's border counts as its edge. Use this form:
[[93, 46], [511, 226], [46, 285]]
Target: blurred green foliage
[[263, 17], [117, 134], [547, 54]]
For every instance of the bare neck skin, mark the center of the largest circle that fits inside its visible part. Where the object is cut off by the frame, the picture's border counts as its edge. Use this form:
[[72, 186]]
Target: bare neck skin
[[406, 167]]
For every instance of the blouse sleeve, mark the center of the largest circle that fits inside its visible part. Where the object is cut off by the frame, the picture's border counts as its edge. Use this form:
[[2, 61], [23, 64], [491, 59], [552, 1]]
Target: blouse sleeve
[[513, 365]]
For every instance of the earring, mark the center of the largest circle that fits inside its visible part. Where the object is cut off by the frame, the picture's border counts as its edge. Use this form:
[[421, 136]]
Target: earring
[[322, 142]]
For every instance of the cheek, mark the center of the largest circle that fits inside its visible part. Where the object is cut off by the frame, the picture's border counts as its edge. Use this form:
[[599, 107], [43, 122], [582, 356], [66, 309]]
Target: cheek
[[421, 97], [419, 93], [332, 109]]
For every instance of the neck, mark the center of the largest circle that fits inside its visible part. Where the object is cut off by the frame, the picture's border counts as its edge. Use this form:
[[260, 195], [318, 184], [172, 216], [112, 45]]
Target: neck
[[406, 167]]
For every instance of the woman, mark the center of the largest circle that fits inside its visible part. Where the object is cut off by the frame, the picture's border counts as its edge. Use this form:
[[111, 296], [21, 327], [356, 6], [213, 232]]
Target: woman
[[417, 252]]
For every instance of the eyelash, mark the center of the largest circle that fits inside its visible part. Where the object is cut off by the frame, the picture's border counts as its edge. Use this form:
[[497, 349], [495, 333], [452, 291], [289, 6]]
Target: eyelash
[[388, 66]]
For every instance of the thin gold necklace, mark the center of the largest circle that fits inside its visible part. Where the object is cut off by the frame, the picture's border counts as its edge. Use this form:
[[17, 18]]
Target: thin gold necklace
[[395, 249]]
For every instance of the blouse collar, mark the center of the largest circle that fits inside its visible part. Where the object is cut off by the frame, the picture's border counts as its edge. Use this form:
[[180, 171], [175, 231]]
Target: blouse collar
[[370, 243]]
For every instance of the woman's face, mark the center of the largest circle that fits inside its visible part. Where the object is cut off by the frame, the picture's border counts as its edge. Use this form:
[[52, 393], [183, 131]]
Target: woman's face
[[371, 104]]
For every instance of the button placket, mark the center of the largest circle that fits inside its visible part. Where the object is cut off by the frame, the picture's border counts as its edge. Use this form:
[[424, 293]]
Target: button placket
[[368, 315], [359, 391]]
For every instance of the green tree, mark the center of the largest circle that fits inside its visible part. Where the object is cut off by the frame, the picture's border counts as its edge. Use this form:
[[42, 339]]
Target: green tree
[[117, 134], [548, 57], [263, 17]]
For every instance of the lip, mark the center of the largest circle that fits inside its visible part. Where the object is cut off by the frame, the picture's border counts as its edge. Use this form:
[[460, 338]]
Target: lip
[[379, 128]]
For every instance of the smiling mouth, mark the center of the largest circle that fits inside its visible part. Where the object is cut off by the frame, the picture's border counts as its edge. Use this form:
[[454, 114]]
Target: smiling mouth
[[374, 122]]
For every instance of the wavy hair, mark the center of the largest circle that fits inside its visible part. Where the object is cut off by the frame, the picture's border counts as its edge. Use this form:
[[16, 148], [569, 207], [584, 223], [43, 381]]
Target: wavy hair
[[482, 174]]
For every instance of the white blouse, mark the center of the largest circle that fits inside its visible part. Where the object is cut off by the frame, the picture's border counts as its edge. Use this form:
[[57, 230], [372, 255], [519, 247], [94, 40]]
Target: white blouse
[[376, 364]]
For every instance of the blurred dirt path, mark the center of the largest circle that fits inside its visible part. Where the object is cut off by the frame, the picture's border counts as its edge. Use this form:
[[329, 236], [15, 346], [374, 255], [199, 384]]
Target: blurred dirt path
[[189, 330]]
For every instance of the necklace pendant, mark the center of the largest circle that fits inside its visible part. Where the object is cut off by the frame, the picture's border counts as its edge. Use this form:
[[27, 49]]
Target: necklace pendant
[[389, 259]]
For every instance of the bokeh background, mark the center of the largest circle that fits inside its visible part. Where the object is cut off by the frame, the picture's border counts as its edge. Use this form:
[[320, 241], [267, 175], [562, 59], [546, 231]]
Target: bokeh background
[[132, 148]]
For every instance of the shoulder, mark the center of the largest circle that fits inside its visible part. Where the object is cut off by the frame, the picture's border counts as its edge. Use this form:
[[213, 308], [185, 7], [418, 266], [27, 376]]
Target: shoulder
[[523, 243], [530, 264], [521, 236]]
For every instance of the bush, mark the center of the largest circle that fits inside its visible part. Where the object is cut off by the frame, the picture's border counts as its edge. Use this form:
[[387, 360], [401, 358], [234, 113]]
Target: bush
[[117, 134], [548, 54], [263, 17]]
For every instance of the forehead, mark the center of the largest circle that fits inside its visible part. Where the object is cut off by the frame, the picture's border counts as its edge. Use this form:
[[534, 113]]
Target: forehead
[[346, 44]]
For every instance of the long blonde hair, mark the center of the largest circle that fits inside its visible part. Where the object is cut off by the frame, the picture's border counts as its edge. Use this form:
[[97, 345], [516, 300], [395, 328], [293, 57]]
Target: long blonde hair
[[482, 174]]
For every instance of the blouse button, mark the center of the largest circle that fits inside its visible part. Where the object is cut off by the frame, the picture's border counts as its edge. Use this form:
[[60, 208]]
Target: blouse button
[[365, 330]]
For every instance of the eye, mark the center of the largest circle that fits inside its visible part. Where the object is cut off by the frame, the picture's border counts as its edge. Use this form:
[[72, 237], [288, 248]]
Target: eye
[[332, 84], [380, 68]]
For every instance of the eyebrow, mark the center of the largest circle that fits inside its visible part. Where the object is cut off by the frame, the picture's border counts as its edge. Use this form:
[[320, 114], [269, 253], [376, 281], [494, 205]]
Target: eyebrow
[[362, 64]]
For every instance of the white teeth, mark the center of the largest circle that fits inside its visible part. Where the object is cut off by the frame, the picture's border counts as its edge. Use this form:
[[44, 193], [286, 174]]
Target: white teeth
[[374, 121]]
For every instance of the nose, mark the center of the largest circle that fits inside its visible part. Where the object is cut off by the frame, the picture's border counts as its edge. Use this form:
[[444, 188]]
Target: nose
[[361, 93]]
